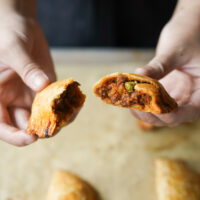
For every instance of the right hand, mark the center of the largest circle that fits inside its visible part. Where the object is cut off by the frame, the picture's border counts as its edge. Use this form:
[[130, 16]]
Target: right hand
[[26, 67], [177, 66]]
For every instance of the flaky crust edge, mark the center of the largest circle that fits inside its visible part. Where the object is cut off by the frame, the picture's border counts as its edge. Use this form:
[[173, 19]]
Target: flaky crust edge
[[174, 179], [65, 184]]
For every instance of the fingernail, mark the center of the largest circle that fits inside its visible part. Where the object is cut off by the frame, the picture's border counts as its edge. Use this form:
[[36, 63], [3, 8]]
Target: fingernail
[[140, 71], [40, 80], [30, 139], [23, 138]]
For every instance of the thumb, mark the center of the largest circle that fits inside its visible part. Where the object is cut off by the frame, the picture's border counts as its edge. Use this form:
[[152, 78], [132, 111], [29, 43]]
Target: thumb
[[33, 76], [29, 71], [157, 68]]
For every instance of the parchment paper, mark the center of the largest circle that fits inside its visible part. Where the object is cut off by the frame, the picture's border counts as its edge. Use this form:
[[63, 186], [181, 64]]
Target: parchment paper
[[103, 145]]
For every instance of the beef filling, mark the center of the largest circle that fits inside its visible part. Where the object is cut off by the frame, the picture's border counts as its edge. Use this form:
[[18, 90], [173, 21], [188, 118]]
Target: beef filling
[[69, 99], [115, 90]]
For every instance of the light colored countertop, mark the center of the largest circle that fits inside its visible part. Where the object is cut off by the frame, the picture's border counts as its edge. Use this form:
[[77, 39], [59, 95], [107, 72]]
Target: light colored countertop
[[103, 145]]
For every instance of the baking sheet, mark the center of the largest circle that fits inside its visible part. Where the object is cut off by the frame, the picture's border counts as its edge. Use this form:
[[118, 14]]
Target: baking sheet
[[103, 145]]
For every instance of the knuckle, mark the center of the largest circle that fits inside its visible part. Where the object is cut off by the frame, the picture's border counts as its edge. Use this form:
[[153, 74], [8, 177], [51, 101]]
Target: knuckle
[[29, 70], [157, 65], [140, 70]]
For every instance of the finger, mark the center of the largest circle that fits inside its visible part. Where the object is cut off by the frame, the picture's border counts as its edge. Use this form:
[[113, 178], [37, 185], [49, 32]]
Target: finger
[[4, 115], [24, 99], [182, 115], [179, 85], [31, 73], [33, 76], [11, 134], [147, 117], [19, 117], [185, 113], [158, 67], [6, 74], [15, 136], [42, 55]]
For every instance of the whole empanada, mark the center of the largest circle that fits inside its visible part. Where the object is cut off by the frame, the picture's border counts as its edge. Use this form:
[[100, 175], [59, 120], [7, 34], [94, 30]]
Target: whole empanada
[[54, 107], [135, 92], [67, 186], [176, 181]]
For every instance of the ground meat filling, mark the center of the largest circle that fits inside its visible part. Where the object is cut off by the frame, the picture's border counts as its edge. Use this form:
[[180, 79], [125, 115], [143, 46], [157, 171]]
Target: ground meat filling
[[115, 90], [69, 99]]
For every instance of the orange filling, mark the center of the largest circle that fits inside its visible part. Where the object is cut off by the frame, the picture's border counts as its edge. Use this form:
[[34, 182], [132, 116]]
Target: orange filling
[[114, 89]]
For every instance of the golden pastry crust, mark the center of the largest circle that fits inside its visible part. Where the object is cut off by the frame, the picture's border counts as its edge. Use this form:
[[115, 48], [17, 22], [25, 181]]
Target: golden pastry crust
[[55, 107], [148, 95], [145, 126], [176, 181], [67, 186]]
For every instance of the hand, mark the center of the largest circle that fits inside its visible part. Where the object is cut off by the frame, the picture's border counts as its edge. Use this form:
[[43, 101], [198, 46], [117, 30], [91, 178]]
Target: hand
[[177, 66], [25, 66]]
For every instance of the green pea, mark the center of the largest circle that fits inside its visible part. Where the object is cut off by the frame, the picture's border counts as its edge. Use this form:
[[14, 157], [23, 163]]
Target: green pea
[[130, 86]]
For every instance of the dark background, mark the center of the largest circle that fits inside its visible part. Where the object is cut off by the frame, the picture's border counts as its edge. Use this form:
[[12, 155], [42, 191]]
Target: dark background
[[85, 23]]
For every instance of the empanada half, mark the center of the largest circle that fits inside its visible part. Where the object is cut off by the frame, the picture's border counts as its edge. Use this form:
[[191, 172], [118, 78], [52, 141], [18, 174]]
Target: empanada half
[[176, 181], [54, 107], [67, 186], [135, 92]]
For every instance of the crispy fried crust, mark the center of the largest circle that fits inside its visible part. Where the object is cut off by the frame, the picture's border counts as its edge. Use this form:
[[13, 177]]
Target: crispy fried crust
[[157, 99], [67, 186], [145, 126], [176, 181], [54, 107]]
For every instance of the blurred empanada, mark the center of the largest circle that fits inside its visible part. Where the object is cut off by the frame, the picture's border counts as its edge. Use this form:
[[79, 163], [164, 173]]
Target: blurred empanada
[[176, 181], [145, 126], [54, 107], [67, 186], [136, 92]]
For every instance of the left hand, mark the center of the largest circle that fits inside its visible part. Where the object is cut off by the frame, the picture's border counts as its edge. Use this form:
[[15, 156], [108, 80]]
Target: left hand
[[26, 67], [15, 102]]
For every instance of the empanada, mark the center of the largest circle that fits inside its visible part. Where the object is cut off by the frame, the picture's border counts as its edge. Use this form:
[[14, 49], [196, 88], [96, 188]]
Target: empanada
[[67, 186], [176, 181], [54, 107], [136, 92]]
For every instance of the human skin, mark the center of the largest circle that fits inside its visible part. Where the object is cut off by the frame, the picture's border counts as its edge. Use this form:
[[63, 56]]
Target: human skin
[[177, 65], [26, 67]]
